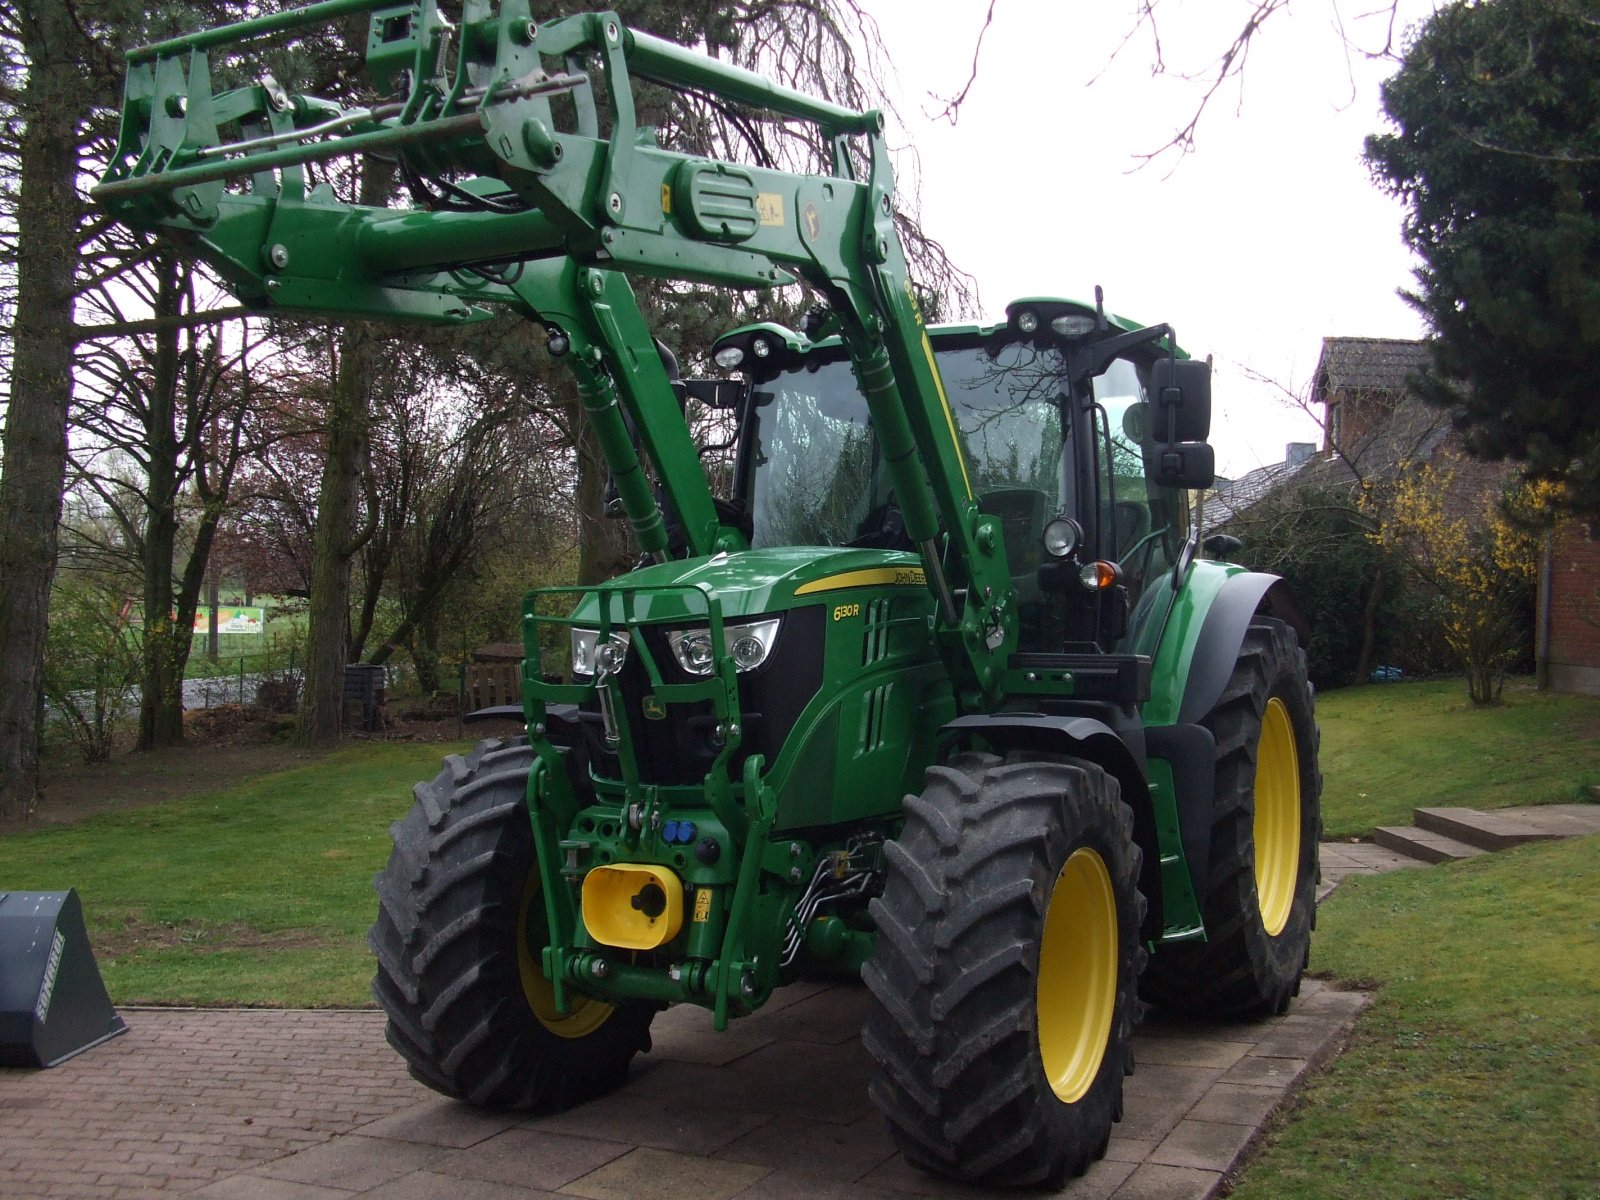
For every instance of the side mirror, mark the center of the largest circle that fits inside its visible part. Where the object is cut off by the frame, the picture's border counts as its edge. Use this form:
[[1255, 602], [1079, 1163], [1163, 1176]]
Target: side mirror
[[1222, 546], [1184, 464], [714, 393], [1182, 385]]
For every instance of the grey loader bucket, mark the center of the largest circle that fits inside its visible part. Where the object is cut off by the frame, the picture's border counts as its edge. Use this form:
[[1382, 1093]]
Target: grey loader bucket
[[52, 1001]]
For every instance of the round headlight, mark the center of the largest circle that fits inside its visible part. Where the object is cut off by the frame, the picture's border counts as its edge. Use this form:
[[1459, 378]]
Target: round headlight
[[693, 652], [747, 644], [1061, 537], [748, 652], [608, 659], [1027, 320], [762, 347], [729, 357]]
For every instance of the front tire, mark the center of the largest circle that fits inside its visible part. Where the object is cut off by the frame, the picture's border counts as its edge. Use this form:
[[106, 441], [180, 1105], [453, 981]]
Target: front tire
[[1005, 970], [459, 929], [1259, 900]]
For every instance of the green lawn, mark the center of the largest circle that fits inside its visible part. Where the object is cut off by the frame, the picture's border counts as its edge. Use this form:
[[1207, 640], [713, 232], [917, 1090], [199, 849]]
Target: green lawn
[[1390, 748], [1474, 1074], [1477, 1070], [261, 893], [258, 893]]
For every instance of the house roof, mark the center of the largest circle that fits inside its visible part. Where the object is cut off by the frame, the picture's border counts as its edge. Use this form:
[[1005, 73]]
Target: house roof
[[1228, 500], [1366, 364], [1407, 430], [1413, 432]]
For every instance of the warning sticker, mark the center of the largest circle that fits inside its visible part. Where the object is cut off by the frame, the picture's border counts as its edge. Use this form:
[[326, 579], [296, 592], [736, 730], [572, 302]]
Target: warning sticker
[[769, 207]]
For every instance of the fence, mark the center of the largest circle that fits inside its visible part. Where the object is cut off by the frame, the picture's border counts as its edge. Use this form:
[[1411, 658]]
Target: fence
[[238, 681]]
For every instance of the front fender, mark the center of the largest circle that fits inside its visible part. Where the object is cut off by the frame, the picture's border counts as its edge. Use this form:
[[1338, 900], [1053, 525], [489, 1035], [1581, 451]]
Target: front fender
[[1085, 738]]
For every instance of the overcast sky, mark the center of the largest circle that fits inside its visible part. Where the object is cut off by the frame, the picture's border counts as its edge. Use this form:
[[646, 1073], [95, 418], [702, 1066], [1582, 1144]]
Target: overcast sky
[[1267, 238]]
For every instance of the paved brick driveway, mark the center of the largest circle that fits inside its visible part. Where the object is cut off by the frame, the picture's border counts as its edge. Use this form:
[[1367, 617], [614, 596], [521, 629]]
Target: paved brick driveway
[[315, 1106], [271, 1105]]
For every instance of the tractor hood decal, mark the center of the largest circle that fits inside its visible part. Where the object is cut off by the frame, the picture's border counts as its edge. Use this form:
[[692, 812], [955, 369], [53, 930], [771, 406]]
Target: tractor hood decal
[[872, 577]]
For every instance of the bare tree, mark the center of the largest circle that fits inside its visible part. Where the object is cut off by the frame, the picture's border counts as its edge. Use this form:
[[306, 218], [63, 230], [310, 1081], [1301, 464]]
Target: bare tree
[[60, 78], [165, 421], [340, 532], [460, 488]]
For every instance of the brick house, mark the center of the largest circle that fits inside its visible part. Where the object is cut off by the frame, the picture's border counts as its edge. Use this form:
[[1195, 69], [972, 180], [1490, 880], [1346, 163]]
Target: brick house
[[1568, 634], [1360, 384], [1371, 422], [1370, 414]]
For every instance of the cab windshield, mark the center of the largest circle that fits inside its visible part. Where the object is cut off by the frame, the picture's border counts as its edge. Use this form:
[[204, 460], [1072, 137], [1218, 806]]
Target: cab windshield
[[815, 475]]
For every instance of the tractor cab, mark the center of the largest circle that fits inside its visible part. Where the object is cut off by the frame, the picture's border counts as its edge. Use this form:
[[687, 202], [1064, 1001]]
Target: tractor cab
[[1060, 444]]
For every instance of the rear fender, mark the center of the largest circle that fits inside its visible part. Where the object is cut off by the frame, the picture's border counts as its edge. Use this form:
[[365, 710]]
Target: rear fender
[[1242, 597], [1194, 661], [1203, 634], [1050, 736]]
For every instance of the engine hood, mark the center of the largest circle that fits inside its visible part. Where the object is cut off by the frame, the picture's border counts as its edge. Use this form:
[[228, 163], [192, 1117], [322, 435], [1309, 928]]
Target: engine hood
[[748, 584]]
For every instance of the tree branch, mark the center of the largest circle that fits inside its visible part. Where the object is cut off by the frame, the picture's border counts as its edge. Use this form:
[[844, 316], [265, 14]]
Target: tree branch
[[952, 104], [215, 316]]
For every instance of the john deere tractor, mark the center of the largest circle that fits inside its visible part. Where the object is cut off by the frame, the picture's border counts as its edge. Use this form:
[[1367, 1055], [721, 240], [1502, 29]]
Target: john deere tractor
[[941, 691]]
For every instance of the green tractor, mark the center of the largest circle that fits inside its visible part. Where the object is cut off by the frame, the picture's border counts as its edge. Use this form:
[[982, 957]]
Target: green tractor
[[941, 692]]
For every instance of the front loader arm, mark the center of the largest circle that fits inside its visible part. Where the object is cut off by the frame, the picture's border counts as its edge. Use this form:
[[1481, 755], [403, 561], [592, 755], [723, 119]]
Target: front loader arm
[[557, 215]]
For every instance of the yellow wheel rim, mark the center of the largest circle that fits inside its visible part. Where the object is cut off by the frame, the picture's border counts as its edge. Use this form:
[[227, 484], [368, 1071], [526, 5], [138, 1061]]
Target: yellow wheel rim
[[1077, 975], [1277, 819], [587, 1014]]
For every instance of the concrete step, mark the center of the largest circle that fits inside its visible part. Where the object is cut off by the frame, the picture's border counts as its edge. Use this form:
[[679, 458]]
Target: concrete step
[[1423, 844], [1487, 830]]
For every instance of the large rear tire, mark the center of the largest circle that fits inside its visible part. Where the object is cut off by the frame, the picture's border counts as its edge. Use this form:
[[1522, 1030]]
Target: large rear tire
[[1260, 898], [459, 929], [1005, 970]]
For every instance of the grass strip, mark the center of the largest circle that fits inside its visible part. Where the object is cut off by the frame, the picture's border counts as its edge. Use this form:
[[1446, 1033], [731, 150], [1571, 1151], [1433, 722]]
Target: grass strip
[[258, 893], [1388, 749], [1475, 1072]]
